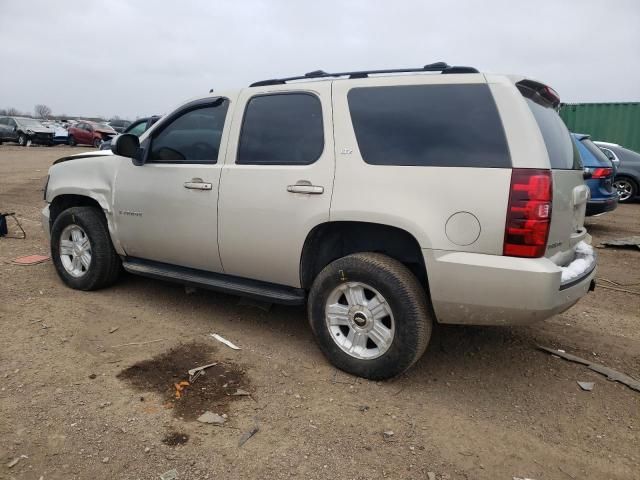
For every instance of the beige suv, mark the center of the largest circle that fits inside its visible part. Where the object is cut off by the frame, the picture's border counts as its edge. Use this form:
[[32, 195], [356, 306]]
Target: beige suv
[[384, 200]]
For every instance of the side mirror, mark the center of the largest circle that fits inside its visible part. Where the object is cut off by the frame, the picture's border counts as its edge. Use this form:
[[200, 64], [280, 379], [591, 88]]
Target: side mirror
[[126, 145]]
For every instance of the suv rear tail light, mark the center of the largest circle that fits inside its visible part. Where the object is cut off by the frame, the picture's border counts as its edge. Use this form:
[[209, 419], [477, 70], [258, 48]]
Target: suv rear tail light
[[528, 213], [599, 172]]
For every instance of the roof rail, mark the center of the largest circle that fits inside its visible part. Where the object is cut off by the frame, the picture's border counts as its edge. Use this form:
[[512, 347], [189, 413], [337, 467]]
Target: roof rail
[[432, 67]]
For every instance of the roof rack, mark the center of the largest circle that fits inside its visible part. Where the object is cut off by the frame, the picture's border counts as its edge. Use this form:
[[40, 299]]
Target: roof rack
[[432, 67]]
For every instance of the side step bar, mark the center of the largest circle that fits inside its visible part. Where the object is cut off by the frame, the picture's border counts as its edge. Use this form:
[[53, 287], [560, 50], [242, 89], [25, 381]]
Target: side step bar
[[267, 292]]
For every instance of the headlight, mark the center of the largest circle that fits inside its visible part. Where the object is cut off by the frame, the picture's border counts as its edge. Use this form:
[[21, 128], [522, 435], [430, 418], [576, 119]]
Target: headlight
[[29, 131]]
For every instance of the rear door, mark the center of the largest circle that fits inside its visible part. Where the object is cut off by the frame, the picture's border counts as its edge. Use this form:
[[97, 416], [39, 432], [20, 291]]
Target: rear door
[[570, 194], [277, 181]]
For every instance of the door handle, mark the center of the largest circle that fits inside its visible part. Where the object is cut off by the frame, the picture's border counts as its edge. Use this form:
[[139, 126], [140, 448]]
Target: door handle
[[198, 184], [305, 186]]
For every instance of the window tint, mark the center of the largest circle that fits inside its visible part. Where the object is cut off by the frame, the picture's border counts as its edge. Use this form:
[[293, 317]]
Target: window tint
[[282, 129], [428, 125], [192, 137], [563, 154], [608, 153], [594, 150]]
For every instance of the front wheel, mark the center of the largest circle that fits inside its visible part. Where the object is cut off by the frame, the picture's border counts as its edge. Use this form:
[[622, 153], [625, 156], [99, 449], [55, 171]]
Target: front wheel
[[97, 142], [81, 249], [22, 140], [626, 188], [71, 141], [369, 315]]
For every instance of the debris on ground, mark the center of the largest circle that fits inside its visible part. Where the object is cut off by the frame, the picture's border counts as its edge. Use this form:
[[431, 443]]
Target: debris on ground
[[627, 242], [105, 404], [586, 386], [180, 387], [241, 393], [30, 260], [113, 329], [170, 475], [105, 460], [387, 435], [196, 372], [522, 478], [431, 476], [138, 343], [363, 408], [15, 461], [211, 418], [175, 438], [247, 435], [618, 287], [162, 372], [596, 367], [225, 341]]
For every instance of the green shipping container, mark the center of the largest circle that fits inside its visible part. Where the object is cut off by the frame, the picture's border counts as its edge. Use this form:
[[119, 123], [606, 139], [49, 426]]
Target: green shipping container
[[609, 122]]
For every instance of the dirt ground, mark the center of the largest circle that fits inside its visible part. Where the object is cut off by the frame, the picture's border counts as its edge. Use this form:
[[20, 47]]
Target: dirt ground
[[483, 403]]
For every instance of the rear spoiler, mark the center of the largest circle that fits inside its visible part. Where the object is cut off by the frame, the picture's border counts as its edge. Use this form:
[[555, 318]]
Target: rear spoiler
[[539, 93]]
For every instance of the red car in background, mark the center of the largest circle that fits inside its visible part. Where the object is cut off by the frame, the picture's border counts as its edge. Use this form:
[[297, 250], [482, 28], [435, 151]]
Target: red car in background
[[90, 133]]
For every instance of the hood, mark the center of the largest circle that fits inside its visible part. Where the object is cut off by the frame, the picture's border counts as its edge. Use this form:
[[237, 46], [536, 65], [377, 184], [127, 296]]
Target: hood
[[79, 156], [41, 129]]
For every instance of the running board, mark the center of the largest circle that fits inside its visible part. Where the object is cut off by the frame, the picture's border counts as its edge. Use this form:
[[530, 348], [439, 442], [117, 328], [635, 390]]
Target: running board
[[267, 292]]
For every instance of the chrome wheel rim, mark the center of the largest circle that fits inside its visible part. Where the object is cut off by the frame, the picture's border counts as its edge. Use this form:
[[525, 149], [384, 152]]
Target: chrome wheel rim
[[624, 188], [75, 251], [360, 320]]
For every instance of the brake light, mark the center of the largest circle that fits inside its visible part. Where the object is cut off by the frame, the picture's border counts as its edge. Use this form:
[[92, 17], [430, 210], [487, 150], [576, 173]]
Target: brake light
[[599, 172], [528, 213]]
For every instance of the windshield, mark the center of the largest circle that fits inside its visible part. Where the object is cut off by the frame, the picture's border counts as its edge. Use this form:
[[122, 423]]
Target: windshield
[[29, 122], [103, 126]]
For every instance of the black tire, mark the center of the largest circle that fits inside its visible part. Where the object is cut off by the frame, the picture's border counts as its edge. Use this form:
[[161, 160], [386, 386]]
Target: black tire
[[403, 294], [105, 264], [632, 184], [71, 141], [22, 140], [97, 142]]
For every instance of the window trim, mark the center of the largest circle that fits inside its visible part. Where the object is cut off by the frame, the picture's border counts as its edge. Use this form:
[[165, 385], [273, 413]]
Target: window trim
[[273, 94], [164, 122]]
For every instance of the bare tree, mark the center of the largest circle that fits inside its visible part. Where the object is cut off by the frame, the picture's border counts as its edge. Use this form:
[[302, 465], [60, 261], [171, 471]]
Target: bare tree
[[42, 111], [13, 112], [3, 112]]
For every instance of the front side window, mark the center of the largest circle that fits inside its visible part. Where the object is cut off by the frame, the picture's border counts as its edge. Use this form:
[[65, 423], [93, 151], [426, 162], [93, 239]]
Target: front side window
[[281, 129], [428, 125], [192, 137]]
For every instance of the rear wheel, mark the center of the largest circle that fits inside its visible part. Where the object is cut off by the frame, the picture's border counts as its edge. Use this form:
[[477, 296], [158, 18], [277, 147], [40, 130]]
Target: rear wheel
[[369, 315], [627, 188], [81, 249]]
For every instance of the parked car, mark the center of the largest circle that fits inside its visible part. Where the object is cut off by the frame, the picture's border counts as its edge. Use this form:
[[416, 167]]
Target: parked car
[[90, 133], [119, 125], [137, 128], [384, 203], [627, 162], [598, 175], [23, 130]]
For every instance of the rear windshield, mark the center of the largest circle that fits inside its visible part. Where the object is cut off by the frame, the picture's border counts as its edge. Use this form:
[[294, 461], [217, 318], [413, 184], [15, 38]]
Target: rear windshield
[[595, 151], [429, 125], [563, 154]]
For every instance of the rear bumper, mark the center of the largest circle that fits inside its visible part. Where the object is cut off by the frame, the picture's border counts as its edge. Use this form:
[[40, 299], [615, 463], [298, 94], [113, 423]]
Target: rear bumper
[[598, 207], [477, 289]]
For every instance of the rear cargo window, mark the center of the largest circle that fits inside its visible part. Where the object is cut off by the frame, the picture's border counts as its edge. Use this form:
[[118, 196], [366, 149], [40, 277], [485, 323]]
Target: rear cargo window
[[429, 125], [563, 154], [595, 151]]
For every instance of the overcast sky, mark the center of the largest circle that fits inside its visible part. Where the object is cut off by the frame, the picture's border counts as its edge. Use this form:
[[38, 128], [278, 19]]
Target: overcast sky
[[135, 58]]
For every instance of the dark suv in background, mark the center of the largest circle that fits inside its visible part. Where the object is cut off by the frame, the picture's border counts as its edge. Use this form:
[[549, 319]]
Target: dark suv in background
[[599, 172], [627, 163]]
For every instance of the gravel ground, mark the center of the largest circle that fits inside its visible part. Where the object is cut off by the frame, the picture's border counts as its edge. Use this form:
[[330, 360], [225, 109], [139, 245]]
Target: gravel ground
[[483, 403]]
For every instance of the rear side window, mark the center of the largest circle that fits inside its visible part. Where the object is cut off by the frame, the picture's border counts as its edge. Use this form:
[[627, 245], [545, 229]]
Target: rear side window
[[281, 129], [429, 125], [563, 154]]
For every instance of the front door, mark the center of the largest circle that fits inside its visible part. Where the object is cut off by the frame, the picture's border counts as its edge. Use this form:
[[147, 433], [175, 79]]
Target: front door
[[167, 209], [277, 180]]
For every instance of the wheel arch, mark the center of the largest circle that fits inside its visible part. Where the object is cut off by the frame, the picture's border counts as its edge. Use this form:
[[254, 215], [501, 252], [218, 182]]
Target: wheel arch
[[329, 241]]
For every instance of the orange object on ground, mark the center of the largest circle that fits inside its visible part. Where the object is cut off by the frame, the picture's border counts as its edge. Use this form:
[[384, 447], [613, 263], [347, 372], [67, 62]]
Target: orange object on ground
[[30, 260]]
